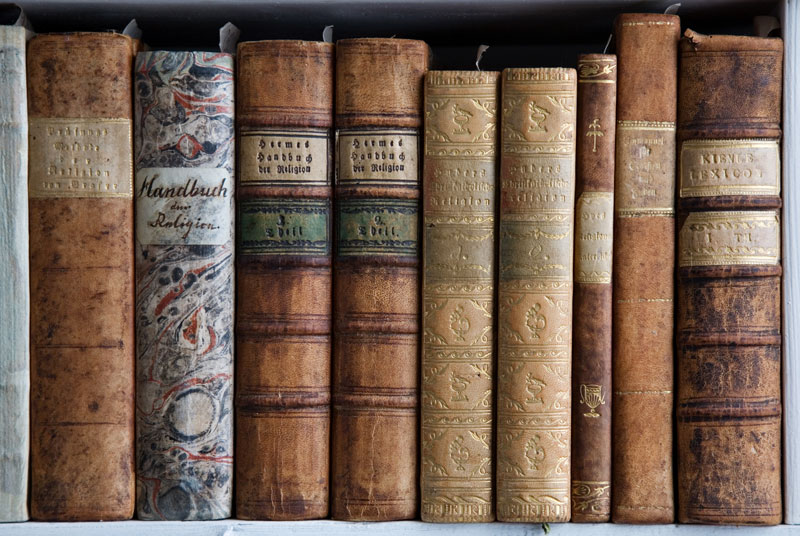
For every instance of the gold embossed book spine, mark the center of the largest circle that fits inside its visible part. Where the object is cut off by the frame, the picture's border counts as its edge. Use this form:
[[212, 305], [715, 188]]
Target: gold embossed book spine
[[459, 177], [183, 191], [534, 350], [82, 288], [729, 280], [594, 227], [376, 279], [284, 279], [643, 264]]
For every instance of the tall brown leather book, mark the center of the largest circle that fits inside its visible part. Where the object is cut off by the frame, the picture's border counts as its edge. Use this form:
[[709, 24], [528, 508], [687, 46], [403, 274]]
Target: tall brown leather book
[[283, 316], [594, 233], [82, 303], [729, 280], [376, 278], [644, 260], [458, 295], [534, 349]]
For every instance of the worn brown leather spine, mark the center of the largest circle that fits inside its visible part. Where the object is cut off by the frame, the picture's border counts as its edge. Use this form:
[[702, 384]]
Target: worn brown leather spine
[[284, 279], [591, 346], [644, 260], [459, 178], [729, 280], [82, 297], [534, 349], [376, 278]]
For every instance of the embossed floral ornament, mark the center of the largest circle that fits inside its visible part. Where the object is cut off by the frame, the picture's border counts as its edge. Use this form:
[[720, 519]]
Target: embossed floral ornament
[[535, 321], [534, 453], [459, 324], [459, 454]]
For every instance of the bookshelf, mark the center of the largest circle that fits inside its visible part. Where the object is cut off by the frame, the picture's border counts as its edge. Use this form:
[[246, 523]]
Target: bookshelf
[[520, 33]]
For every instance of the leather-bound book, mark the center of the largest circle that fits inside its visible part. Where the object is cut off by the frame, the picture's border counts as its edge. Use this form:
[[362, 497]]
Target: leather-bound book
[[729, 280], [459, 177], [594, 228], [284, 281], [183, 191], [376, 278], [644, 263], [534, 349], [82, 289], [14, 296]]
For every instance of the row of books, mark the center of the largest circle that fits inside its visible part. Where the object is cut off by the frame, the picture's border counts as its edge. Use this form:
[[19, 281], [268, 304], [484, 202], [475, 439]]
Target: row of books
[[512, 337]]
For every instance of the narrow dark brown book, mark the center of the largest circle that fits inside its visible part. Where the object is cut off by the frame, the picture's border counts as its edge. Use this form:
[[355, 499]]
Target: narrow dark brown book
[[591, 341], [82, 297], [644, 264], [729, 280], [376, 278], [283, 315]]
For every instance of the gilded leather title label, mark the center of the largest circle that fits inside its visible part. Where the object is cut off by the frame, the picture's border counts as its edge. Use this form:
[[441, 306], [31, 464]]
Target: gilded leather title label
[[645, 156], [284, 157], [385, 227], [284, 227], [594, 228], [81, 157], [730, 238], [729, 167], [378, 158]]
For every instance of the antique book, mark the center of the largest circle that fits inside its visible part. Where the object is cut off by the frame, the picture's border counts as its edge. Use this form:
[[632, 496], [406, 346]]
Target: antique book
[[81, 276], [459, 176], [534, 348], [183, 188], [594, 229], [376, 274], [790, 261], [644, 262], [284, 284], [14, 297], [729, 280]]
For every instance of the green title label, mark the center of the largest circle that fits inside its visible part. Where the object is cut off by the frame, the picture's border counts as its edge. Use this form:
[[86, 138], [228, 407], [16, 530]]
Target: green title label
[[385, 227], [284, 227]]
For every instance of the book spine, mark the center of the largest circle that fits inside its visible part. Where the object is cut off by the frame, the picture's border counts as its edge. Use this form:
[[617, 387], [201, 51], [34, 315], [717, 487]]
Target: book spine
[[183, 190], [729, 280], [537, 205], [14, 297], [594, 232], [790, 370], [644, 262], [284, 279], [459, 177], [81, 274], [376, 278]]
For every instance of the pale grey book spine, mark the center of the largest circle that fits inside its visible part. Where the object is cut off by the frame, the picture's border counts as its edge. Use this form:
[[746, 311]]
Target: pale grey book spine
[[14, 295]]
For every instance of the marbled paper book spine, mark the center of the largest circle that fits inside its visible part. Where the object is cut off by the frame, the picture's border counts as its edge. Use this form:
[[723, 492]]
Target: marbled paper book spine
[[534, 350], [458, 295], [184, 154], [14, 298]]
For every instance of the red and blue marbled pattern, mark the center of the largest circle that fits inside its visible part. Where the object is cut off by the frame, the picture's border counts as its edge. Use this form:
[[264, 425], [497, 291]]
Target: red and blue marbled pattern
[[184, 297]]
